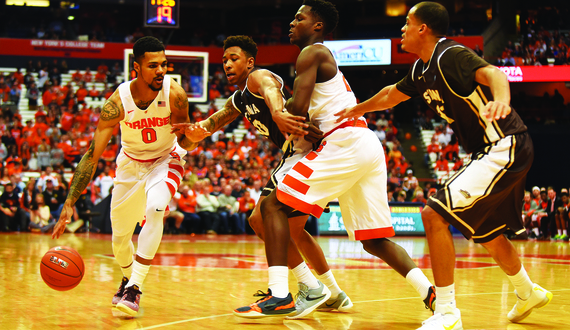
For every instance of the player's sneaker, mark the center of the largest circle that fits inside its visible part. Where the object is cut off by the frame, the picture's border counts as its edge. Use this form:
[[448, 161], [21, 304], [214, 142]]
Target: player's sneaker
[[307, 300], [447, 321], [556, 238], [430, 299], [130, 302], [267, 306], [564, 238], [539, 298], [117, 297], [341, 303]]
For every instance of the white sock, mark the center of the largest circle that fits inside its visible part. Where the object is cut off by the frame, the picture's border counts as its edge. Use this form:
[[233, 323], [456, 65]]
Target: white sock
[[329, 280], [279, 281], [127, 271], [445, 302], [559, 232], [419, 281], [304, 275], [564, 232], [522, 283], [139, 274], [536, 232]]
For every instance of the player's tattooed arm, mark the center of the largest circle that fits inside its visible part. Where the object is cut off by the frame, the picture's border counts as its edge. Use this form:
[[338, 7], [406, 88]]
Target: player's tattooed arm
[[221, 118], [111, 114]]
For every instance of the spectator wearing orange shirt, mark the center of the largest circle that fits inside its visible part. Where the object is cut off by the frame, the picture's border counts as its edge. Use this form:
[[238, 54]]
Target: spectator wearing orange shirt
[[88, 76], [100, 77], [187, 205], [49, 96], [442, 164], [246, 206], [94, 93], [81, 93], [77, 77], [66, 121]]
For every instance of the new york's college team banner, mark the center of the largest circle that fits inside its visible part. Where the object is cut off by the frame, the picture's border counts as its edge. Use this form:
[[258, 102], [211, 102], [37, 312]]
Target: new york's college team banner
[[267, 55]]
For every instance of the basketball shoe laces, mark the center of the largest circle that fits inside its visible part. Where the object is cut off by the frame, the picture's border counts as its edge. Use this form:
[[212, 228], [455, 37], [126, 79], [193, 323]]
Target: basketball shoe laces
[[260, 293], [132, 293]]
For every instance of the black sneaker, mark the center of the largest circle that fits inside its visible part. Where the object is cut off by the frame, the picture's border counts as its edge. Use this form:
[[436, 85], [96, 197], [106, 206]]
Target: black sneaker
[[267, 306], [117, 297], [430, 299]]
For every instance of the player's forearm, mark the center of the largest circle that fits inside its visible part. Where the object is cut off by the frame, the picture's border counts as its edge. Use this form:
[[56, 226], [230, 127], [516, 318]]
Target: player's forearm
[[380, 101], [82, 176], [186, 144], [499, 85], [219, 119]]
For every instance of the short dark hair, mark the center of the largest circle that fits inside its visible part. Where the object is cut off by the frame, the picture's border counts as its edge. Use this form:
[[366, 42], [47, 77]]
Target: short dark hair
[[434, 15], [246, 44], [144, 45], [325, 11]]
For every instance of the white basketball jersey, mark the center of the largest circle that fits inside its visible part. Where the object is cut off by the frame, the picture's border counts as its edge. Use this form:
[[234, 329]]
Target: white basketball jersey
[[145, 134], [328, 98]]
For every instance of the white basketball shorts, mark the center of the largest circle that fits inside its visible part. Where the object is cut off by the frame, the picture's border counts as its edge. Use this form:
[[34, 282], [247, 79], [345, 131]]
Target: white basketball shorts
[[348, 165], [133, 180]]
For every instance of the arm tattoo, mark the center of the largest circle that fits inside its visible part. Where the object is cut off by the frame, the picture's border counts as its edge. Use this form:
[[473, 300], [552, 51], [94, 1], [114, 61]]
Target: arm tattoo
[[110, 111], [221, 118], [182, 102], [82, 175]]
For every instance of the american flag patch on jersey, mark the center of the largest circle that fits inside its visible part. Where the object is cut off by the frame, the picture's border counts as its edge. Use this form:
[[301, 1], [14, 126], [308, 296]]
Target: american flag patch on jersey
[[161, 103]]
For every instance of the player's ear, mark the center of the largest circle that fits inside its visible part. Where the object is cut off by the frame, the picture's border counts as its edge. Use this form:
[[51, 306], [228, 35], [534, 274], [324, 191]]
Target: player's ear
[[250, 63], [137, 66], [423, 28], [319, 26]]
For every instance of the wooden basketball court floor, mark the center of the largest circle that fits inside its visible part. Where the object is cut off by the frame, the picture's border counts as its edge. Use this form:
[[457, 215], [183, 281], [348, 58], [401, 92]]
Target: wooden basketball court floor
[[198, 280]]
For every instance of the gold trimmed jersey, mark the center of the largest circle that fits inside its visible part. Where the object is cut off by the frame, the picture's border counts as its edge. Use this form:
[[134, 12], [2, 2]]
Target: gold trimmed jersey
[[256, 111], [447, 84]]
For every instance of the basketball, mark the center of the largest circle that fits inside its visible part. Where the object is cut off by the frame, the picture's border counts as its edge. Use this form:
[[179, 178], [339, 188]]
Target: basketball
[[62, 268]]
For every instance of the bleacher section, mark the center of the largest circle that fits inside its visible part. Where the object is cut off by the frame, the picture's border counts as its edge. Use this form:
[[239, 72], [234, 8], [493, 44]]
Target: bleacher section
[[440, 176]]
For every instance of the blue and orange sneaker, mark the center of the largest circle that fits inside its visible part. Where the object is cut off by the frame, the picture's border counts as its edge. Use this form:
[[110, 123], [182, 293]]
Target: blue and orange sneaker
[[430, 299], [130, 302], [267, 306]]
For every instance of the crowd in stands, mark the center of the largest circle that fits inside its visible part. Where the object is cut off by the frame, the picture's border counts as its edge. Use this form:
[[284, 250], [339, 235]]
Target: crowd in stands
[[541, 47], [545, 214]]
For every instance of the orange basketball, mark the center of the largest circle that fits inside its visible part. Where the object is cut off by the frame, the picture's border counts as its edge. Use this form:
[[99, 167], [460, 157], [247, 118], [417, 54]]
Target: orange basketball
[[62, 268], [408, 136], [413, 148]]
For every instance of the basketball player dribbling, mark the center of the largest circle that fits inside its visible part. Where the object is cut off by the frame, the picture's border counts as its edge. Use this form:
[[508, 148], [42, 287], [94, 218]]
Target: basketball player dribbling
[[349, 165], [149, 166], [484, 198], [260, 98]]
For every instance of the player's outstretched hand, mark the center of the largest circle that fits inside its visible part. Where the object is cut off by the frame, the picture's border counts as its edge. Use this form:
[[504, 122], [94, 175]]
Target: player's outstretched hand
[[495, 110], [290, 124], [64, 219], [350, 113], [314, 134], [193, 131]]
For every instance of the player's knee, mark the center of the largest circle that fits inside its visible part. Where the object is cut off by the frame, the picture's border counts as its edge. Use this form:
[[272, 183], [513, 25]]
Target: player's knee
[[432, 220], [256, 223], [373, 245]]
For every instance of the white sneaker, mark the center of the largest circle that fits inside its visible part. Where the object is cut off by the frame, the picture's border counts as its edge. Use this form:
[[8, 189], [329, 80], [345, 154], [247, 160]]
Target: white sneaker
[[448, 321], [539, 298], [309, 299]]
